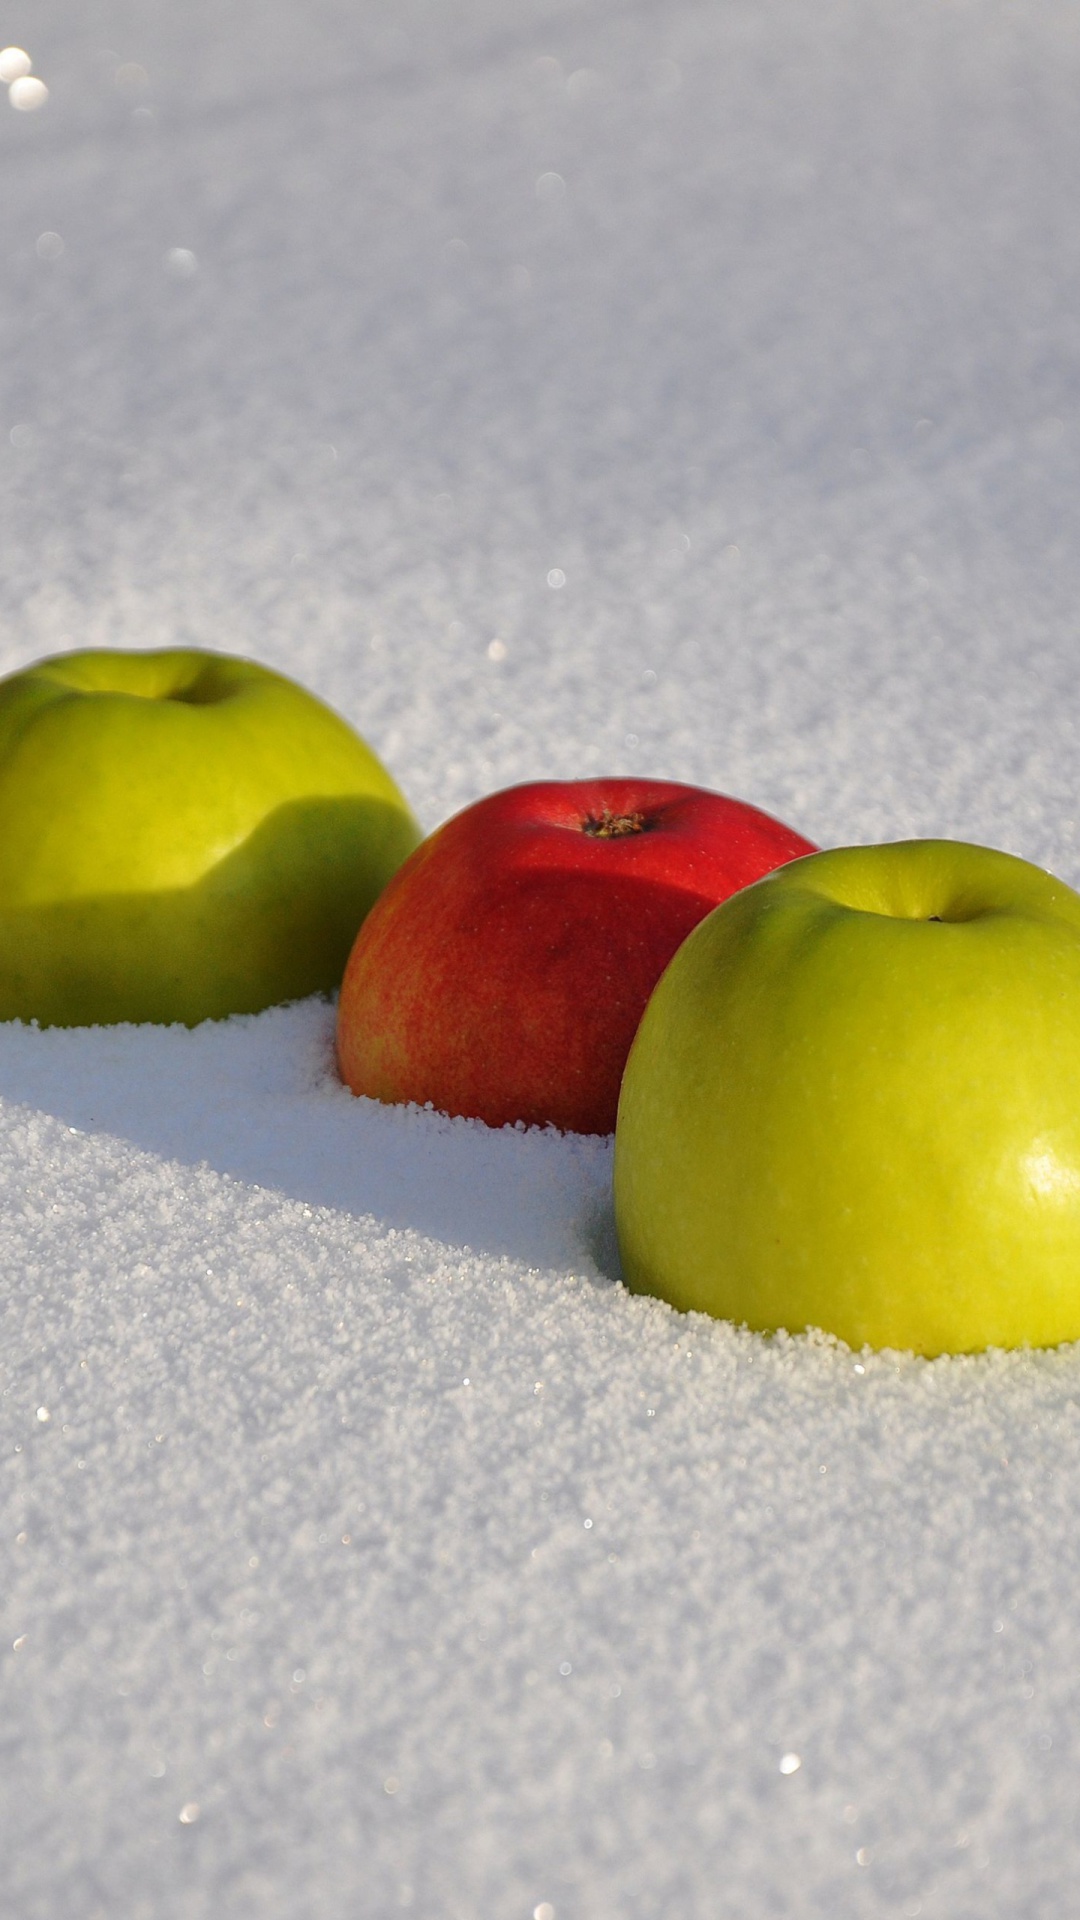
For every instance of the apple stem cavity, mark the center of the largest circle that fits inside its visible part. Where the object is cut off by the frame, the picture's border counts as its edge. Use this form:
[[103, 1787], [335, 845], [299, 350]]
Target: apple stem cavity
[[613, 826]]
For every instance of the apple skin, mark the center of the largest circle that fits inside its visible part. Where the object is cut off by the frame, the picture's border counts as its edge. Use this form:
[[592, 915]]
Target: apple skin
[[186, 835], [839, 1114], [506, 967]]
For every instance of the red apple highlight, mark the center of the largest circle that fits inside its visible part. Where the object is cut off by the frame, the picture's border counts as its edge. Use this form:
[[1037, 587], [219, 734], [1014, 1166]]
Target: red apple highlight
[[505, 969]]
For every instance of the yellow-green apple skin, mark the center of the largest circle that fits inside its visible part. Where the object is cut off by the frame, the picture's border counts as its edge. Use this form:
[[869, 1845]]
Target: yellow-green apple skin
[[183, 835], [853, 1103]]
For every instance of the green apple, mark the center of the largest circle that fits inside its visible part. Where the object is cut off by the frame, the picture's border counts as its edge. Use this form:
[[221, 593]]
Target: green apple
[[854, 1103], [184, 835]]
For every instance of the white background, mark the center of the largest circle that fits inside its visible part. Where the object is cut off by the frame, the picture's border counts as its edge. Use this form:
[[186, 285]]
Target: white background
[[372, 1526]]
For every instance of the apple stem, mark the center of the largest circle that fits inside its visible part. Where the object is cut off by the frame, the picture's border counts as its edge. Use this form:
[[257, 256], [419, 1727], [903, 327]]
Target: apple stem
[[613, 826]]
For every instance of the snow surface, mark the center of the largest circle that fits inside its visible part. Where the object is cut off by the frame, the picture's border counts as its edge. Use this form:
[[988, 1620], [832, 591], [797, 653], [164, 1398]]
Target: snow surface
[[365, 1548]]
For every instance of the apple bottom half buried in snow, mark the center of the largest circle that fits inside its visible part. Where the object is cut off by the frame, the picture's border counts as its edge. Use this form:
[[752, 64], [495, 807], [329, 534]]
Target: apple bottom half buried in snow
[[506, 967], [183, 835], [854, 1103]]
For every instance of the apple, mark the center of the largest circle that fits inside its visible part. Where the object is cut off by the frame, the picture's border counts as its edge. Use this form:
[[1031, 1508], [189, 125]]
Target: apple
[[854, 1103], [185, 835], [504, 971]]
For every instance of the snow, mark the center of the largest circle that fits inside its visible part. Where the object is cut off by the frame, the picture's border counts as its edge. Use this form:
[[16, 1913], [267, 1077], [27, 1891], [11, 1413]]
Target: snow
[[679, 389]]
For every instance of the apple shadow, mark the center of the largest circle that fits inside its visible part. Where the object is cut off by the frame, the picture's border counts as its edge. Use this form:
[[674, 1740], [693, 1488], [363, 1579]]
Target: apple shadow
[[274, 918], [600, 1239], [257, 1098]]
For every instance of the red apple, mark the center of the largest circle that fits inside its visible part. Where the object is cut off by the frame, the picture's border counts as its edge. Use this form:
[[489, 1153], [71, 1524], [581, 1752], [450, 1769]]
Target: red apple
[[504, 970]]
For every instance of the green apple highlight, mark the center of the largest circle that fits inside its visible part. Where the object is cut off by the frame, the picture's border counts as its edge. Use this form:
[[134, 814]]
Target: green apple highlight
[[185, 835], [854, 1103]]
